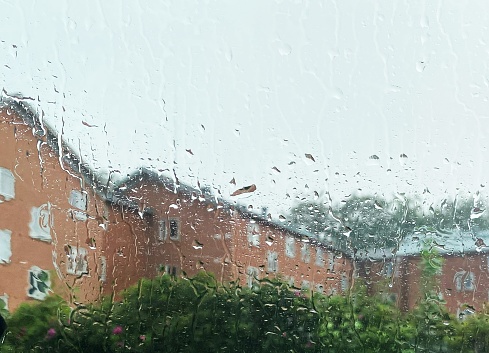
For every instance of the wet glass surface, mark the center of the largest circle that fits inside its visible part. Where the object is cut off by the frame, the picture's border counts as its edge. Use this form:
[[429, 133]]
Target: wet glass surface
[[231, 177]]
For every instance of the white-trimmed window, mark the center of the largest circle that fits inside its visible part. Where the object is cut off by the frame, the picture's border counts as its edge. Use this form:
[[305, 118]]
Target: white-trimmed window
[[39, 283], [162, 234], [330, 262], [7, 184], [4, 302], [40, 224], [254, 234], [103, 268], [78, 200], [174, 229], [319, 257], [272, 261], [252, 277], [290, 246], [388, 267], [5, 247], [76, 260], [169, 270], [344, 282], [464, 281], [306, 252]]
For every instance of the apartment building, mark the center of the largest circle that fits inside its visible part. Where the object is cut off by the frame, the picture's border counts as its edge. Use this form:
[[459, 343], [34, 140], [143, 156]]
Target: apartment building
[[64, 231], [462, 280], [188, 231], [50, 231]]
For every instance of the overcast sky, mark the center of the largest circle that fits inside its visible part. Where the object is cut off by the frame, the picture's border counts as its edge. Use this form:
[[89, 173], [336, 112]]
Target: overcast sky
[[246, 86]]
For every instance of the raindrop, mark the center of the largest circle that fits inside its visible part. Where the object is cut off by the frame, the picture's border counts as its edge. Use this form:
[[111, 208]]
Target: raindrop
[[309, 156], [374, 156], [420, 66], [276, 169], [197, 245], [190, 151], [476, 213], [281, 218]]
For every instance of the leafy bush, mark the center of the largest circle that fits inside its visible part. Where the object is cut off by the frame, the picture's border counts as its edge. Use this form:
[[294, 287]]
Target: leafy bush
[[199, 314]]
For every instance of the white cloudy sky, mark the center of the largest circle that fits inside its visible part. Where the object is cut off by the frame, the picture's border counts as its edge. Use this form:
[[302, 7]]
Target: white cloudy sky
[[252, 85]]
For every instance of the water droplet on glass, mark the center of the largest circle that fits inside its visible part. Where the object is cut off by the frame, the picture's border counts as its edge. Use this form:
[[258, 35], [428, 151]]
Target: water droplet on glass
[[476, 212]]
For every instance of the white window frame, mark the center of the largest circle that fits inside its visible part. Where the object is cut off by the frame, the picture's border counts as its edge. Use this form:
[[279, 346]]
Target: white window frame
[[319, 257], [272, 261], [177, 222], [7, 184], [344, 282], [35, 281], [79, 200], [40, 224], [252, 276], [460, 280], [170, 270], [103, 269], [5, 246], [331, 261], [76, 260], [4, 298], [162, 230], [253, 230], [306, 252], [290, 246]]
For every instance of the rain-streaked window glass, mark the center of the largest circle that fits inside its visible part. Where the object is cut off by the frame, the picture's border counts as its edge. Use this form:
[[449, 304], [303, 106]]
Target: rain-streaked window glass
[[244, 176]]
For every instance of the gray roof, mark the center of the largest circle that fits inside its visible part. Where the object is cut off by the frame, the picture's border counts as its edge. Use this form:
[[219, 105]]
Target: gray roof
[[447, 243]]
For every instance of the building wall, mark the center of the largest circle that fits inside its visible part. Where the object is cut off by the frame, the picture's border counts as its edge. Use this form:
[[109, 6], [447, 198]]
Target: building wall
[[40, 227], [463, 282], [58, 235]]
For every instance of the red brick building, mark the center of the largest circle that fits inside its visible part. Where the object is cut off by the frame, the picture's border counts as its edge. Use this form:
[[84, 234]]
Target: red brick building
[[462, 280], [64, 231]]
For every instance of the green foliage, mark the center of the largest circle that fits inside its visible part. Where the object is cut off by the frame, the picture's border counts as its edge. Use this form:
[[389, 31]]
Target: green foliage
[[199, 314]]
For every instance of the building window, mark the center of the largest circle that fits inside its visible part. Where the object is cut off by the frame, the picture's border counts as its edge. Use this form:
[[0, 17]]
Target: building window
[[254, 234], [76, 260], [291, 281], [162, 230], [331, 262], [290, 246], [464, 281], [103, 269], [272, 261], [252, 277], [3, 303], [7, 184], [344, 282], [174, 229], [5, 248], [39, 283], [40, 225], [388, 269], [78, 200], [169, 270], [319, 257], [306, 252]]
